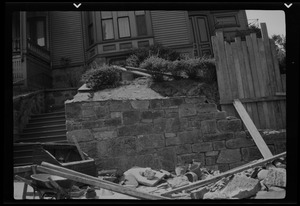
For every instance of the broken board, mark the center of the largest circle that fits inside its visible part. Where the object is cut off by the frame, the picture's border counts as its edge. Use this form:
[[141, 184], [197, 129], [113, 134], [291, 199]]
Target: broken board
[[143, 180], [260, 143]]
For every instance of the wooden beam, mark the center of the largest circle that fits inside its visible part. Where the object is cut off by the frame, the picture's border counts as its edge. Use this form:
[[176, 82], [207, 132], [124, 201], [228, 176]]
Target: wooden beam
[[86, 179], [22, 169], [260, 143], [201, 183], [278, 97]]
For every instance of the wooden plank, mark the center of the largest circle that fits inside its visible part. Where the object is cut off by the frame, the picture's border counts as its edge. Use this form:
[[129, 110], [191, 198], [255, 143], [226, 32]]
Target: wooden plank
[[89, 180], [280, 87], [231, 70], [243, 74], [259, 99], [257, 91], [253, 106], [260, 81], [223, 63], [237, 68], [201, 183], [260, 143], [21, 169], [269, 112], [219, 70]]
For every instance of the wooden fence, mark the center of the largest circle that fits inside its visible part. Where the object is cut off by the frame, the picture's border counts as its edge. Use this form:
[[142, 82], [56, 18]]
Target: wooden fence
[[249, 71]]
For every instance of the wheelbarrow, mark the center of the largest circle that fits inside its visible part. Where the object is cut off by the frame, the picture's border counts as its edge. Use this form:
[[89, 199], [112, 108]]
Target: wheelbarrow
[[58, 185]]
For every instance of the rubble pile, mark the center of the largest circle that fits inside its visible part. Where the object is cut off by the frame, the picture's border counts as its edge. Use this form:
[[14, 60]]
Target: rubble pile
[[261, 182]]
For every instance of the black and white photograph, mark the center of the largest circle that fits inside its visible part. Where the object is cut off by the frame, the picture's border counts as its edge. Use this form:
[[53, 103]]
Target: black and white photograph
[[129, 103]]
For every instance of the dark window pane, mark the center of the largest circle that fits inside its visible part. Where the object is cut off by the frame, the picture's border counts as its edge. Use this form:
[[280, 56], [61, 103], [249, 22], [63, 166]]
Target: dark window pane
[[124, 28], [141, 25], [107, 29], [91, 34]]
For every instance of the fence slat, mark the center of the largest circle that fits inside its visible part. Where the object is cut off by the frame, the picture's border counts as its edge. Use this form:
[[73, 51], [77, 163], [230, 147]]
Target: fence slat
[[263, 110], [248, 74], [237, 70], [278, 80], [233, 81]]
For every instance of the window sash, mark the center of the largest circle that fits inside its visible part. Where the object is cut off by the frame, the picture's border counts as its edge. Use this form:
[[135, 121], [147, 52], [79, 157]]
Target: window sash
[[37, 30], [124, 27], [141, 25], [107, 29]]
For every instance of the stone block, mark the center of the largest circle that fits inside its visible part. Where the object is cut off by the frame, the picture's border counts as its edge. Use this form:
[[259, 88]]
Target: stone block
[[275, 177], [187, 110], [202, 147], [250, 153], [229, 156], [220, 115], [101, 112], [208, 126], [183, 149], [173, 125], [167, 158], [207, 107], [195, 100], [233, 125], [219, 145], [152, 114], [104, 135], [116, 114], [92, 124], [170, 134], [239, 142], [84, 135], [171, 112], [156, 104], [223, 167], [73, 110], [159, 125], [119, 106], [188, 136], [140, 105], [147, 160], [211, 153], [136, 129], [241, 134], [113, 122], [210, 160], [89, 148], [131, 117], [150, 141], [217, 136], [188, 158], [237, 164]]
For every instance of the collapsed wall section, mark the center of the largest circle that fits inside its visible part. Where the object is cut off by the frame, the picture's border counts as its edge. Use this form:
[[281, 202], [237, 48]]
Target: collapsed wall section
[[159, 133]]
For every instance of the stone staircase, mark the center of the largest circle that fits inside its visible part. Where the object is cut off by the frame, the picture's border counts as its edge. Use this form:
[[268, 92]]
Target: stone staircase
[[41, 128]]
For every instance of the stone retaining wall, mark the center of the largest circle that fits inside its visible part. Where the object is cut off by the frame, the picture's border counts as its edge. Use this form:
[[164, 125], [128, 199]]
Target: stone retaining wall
[[159, 133]]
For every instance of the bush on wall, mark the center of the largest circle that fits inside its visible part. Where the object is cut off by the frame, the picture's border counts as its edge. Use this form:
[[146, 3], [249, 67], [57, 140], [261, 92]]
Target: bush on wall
[[101, 77], [139, 55], [155, 64]]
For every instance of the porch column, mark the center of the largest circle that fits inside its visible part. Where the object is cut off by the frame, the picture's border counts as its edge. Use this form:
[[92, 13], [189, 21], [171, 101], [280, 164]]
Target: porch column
[[23, 44]]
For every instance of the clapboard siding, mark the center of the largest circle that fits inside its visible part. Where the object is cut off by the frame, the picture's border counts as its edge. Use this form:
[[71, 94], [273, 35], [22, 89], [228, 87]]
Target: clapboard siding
[[66, 37], [170, 28]]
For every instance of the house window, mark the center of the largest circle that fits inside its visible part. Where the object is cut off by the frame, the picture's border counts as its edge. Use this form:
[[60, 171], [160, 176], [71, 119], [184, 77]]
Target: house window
[[141, 26], [107, 25], [124, 28], [36, 30], [226, 21], [90, 28]]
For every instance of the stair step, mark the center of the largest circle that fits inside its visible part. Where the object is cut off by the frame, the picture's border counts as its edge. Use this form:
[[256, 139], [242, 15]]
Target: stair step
[[22, 153], [49, 114], [53, 138], [46, 123], [45, 128], [47, 118], [42, 134]]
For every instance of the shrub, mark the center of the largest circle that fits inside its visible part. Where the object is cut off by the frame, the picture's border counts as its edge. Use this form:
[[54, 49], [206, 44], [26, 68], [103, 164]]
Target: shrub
[[139, 55], [101, 77], [202, 69], [156, 65]]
